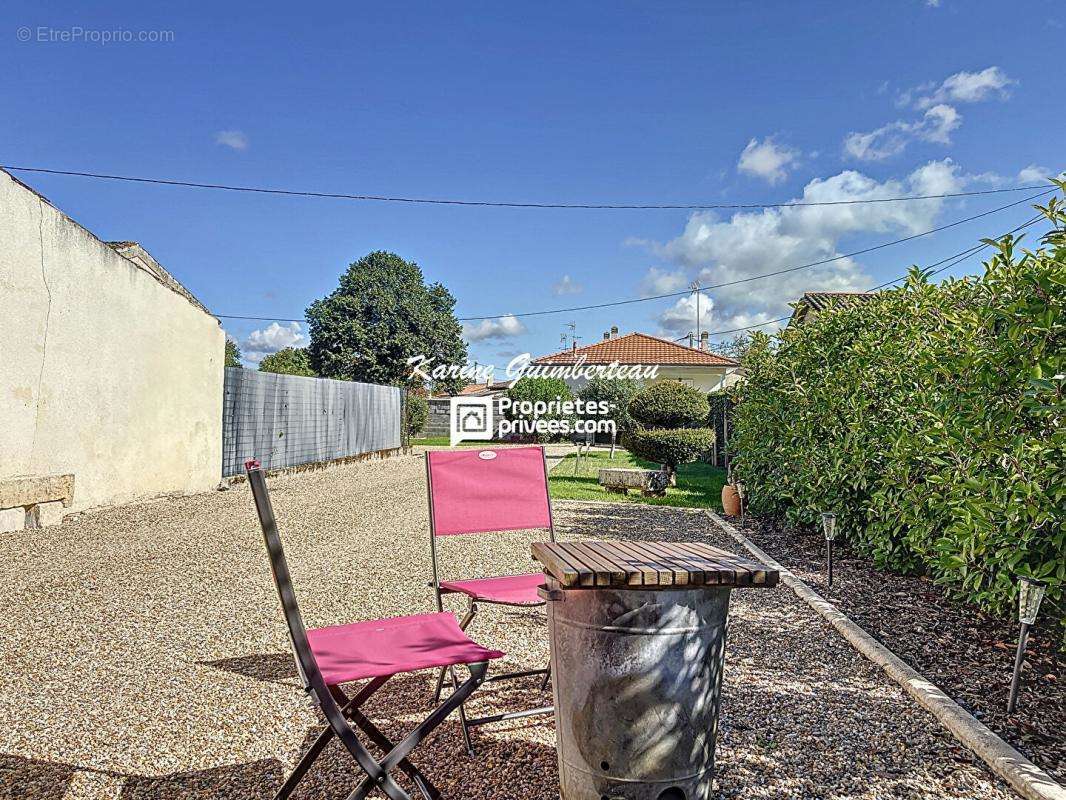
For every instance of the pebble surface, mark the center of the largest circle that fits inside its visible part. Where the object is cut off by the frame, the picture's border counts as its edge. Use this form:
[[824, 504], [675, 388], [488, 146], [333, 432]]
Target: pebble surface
[[144, 656]]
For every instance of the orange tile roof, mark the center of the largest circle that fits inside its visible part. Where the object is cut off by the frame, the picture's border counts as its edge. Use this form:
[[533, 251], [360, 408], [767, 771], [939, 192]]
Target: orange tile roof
[[639, 348]]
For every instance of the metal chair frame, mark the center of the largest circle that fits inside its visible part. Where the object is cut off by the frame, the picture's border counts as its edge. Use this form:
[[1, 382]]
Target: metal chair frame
[[472, 609], [337, 707]]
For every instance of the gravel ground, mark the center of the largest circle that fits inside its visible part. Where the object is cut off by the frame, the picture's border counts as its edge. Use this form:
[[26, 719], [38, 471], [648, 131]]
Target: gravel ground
[[966, 653], [144, 656]]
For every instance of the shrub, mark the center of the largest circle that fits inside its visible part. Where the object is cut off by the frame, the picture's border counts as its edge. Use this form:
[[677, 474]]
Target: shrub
[[617, 391], [670, 404], [416, 413], [288, 361], [929, 419], [534, 390], [670, 448]]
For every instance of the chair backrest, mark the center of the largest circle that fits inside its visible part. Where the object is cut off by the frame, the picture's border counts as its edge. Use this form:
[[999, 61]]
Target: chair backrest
[[477, 490], [306, 664]]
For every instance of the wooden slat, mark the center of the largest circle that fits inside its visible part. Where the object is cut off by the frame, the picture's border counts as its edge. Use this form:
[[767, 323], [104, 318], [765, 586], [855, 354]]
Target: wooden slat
[[680, 557], [630, 575], [675, 573], [590, 564], [635, 562], [729, 564], [555, 563], [607, 572]]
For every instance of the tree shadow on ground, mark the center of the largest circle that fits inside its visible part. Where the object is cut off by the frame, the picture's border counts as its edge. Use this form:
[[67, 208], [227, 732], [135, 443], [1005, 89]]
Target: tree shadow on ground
[[528, 761], [31, 777]]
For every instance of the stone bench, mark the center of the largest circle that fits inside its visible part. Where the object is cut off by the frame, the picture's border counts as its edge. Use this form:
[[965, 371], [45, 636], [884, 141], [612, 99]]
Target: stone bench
[[34, 502], [648, 481]]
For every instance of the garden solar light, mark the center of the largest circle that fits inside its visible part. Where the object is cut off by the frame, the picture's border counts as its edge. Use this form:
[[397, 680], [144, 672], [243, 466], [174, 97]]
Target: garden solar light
[[740, 496], [1030, 593], [829, 527]]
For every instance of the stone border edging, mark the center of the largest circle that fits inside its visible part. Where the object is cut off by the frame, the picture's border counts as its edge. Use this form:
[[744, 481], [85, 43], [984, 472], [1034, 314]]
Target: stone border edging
[[1023, 775]]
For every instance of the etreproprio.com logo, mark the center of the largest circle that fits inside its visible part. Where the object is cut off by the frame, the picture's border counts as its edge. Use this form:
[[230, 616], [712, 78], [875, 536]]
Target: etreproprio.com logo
[[473, 418]]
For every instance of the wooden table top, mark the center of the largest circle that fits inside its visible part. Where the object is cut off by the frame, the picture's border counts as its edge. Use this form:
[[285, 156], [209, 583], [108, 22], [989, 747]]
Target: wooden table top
[[616, 563]]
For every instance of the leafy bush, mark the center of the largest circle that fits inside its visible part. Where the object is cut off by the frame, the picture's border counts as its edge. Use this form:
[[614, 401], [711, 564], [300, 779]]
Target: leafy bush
[[416, 413], [929, 419], [670, 447], [617, 391], [670, 404], [538, 390], [288, 361]]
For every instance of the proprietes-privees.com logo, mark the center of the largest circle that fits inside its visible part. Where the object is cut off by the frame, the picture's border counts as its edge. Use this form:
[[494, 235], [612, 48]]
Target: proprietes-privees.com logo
[[473, 418]]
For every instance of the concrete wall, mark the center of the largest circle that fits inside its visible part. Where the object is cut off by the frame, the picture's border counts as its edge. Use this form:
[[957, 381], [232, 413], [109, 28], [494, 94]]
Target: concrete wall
[[105, 372]]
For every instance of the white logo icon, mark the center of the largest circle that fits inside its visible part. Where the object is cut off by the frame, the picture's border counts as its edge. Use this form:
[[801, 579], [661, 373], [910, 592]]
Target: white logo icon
[[471, 418]]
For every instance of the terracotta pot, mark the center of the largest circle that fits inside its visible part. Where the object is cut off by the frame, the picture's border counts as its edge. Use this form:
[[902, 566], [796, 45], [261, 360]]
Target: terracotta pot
[[730, 500]]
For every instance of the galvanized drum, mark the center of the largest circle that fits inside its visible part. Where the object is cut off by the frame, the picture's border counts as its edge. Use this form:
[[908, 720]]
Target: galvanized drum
[[637, 677]]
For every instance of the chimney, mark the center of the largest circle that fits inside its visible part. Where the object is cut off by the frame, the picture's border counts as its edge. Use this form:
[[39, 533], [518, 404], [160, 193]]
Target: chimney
[[573, 346], [705, 340], [614, 331], [606, 335], [691, 339]]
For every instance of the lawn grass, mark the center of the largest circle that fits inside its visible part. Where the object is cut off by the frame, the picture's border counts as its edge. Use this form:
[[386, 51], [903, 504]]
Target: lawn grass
[[443, 441], [699, 485]]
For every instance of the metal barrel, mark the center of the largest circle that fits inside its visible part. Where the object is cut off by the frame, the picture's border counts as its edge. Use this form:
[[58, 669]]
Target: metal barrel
[[637, 678]]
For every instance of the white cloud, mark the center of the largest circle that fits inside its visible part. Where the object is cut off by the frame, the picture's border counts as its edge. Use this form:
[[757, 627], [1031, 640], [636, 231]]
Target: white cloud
[[567, 285], [933, 3], [751, 243], [1034, 173], [935, 125], [680, 318], [264, 341], [661, 281], [235, 140], [497, 329], [967, 87], [767, 160]]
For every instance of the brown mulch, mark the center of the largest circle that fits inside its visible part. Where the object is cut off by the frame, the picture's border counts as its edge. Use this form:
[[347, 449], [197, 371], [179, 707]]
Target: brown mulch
[[968, 654]]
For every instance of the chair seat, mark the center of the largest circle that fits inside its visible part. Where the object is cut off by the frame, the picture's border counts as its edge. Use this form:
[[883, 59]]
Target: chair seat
[[385, 647], [515, 589]]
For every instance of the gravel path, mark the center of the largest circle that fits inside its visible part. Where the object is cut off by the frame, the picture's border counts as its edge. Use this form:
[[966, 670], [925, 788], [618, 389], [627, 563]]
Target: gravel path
[[144, 656]]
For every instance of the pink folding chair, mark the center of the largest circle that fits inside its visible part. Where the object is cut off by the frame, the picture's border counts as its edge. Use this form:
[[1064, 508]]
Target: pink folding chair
[[477, 491], [372, 651]]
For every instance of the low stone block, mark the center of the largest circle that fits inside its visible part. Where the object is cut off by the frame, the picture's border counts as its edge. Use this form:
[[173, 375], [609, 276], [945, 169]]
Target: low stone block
[[46, 514], [12, 519], [648, 481], [31, 491]]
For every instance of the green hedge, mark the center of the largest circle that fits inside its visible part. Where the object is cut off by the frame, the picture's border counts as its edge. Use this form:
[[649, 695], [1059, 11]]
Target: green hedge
[[671, 448], [670, 404], [930, 420], [417, 413]]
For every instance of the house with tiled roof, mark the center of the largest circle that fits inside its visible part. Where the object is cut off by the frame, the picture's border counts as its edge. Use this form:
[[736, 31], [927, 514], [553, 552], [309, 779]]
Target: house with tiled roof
[[814, 303], [697, 366]]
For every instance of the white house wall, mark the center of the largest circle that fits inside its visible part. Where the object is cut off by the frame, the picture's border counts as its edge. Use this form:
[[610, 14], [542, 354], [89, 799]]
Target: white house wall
[[105, 373]]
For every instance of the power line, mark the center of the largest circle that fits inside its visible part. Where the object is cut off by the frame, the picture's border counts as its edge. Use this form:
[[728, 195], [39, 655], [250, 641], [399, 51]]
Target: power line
[[957, 258], [750, 278], [711, 286], [503, 204]]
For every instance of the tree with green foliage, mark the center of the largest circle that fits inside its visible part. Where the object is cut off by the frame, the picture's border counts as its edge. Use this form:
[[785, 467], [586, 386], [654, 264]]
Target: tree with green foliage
[[233, 354], [381, 314], [929, 420], [416, 413], [671, 448], [734, 348], [671, 419], [670, 404], [539, 390], [288, 361], [619, 392]]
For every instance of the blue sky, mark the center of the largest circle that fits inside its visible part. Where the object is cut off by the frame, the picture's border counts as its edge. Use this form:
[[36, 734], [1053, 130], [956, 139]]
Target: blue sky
[[552, 102]]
